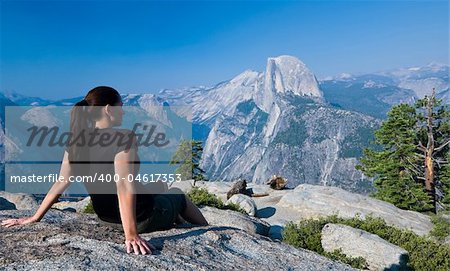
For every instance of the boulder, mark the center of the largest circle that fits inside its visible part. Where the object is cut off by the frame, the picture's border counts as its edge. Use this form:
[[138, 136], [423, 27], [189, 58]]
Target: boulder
[[309, 201], [235, 219], [259, 189], [245, 202], [378, 253], [239, 187], [72, 241], [22, 201], [6, 205], [77, 206], [277, 182]]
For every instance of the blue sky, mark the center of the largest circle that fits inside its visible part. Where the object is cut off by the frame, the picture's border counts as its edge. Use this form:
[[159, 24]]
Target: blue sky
[[62, 49]]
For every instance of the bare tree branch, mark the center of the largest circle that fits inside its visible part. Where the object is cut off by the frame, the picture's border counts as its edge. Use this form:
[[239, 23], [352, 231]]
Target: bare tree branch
[[421, 147], [441, 161], [442, 146], [419, 155]]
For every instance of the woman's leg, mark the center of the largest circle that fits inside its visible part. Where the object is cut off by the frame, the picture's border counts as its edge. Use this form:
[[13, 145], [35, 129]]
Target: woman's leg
[[192, 214]]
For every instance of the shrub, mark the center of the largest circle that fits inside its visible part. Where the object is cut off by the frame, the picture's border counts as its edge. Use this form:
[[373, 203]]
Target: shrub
[[337, 255], [308, 234], [201, 197], [89, 209], [424, 254], [441, 227]]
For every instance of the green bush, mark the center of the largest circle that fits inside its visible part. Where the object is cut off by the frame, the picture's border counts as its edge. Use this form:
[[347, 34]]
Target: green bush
[[89, 209], [424, 254], [308, 233], [201, 197], [305, 234], [337, 255], [441, 227]]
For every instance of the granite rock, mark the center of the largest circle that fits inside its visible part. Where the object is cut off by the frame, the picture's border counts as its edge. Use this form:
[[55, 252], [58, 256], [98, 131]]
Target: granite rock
[[378, 253], [71, 241]]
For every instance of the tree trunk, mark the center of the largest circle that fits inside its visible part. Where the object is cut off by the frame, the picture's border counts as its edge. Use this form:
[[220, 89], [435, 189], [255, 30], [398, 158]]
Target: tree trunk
[[429, 179], [429, 152], [429, 174]]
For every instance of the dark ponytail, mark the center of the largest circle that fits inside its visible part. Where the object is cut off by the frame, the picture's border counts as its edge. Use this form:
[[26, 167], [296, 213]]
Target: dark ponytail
[[82, 121]]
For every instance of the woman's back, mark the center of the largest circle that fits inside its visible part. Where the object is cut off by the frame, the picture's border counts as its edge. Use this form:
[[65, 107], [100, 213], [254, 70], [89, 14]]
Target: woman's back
[[100, 182]]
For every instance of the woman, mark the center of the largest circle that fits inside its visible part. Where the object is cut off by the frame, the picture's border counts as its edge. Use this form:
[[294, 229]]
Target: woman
[[116, 203]]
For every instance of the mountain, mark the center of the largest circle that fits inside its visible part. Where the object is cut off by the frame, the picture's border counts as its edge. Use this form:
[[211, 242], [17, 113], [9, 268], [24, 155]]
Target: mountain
[[20, 99], [374, 94], [277, 122], [283, 75], [422, 79]]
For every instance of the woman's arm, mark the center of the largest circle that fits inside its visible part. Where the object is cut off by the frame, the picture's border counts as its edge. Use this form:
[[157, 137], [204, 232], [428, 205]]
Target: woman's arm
[[52, 196], [127, 202]]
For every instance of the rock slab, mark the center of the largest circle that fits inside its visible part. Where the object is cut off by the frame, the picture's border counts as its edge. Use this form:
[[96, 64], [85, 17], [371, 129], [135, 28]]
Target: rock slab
[[311, 201], [77, 206], [245, 202], [378, 253], [235, 219], [71, 241], [21, 201]]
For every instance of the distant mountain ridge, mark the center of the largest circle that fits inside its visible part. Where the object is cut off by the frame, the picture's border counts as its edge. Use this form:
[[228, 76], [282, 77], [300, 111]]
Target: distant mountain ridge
[[375, 93]]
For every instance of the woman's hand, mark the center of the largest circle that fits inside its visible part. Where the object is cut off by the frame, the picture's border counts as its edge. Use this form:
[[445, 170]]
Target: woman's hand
[[18, 221], [138, 245]]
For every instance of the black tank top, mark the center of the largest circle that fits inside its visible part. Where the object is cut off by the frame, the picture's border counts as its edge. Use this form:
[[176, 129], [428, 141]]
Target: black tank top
[[103, 193]]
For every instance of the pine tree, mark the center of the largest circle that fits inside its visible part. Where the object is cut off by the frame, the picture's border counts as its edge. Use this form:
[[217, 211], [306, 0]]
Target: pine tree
[[408, 172], [391, 167], [433, 144], [443, 185], [188, 156]]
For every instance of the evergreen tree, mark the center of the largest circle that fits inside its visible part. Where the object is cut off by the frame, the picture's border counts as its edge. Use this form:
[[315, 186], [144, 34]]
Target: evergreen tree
[[433, 146], [408, 172], [188, 156], [443, 186]]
